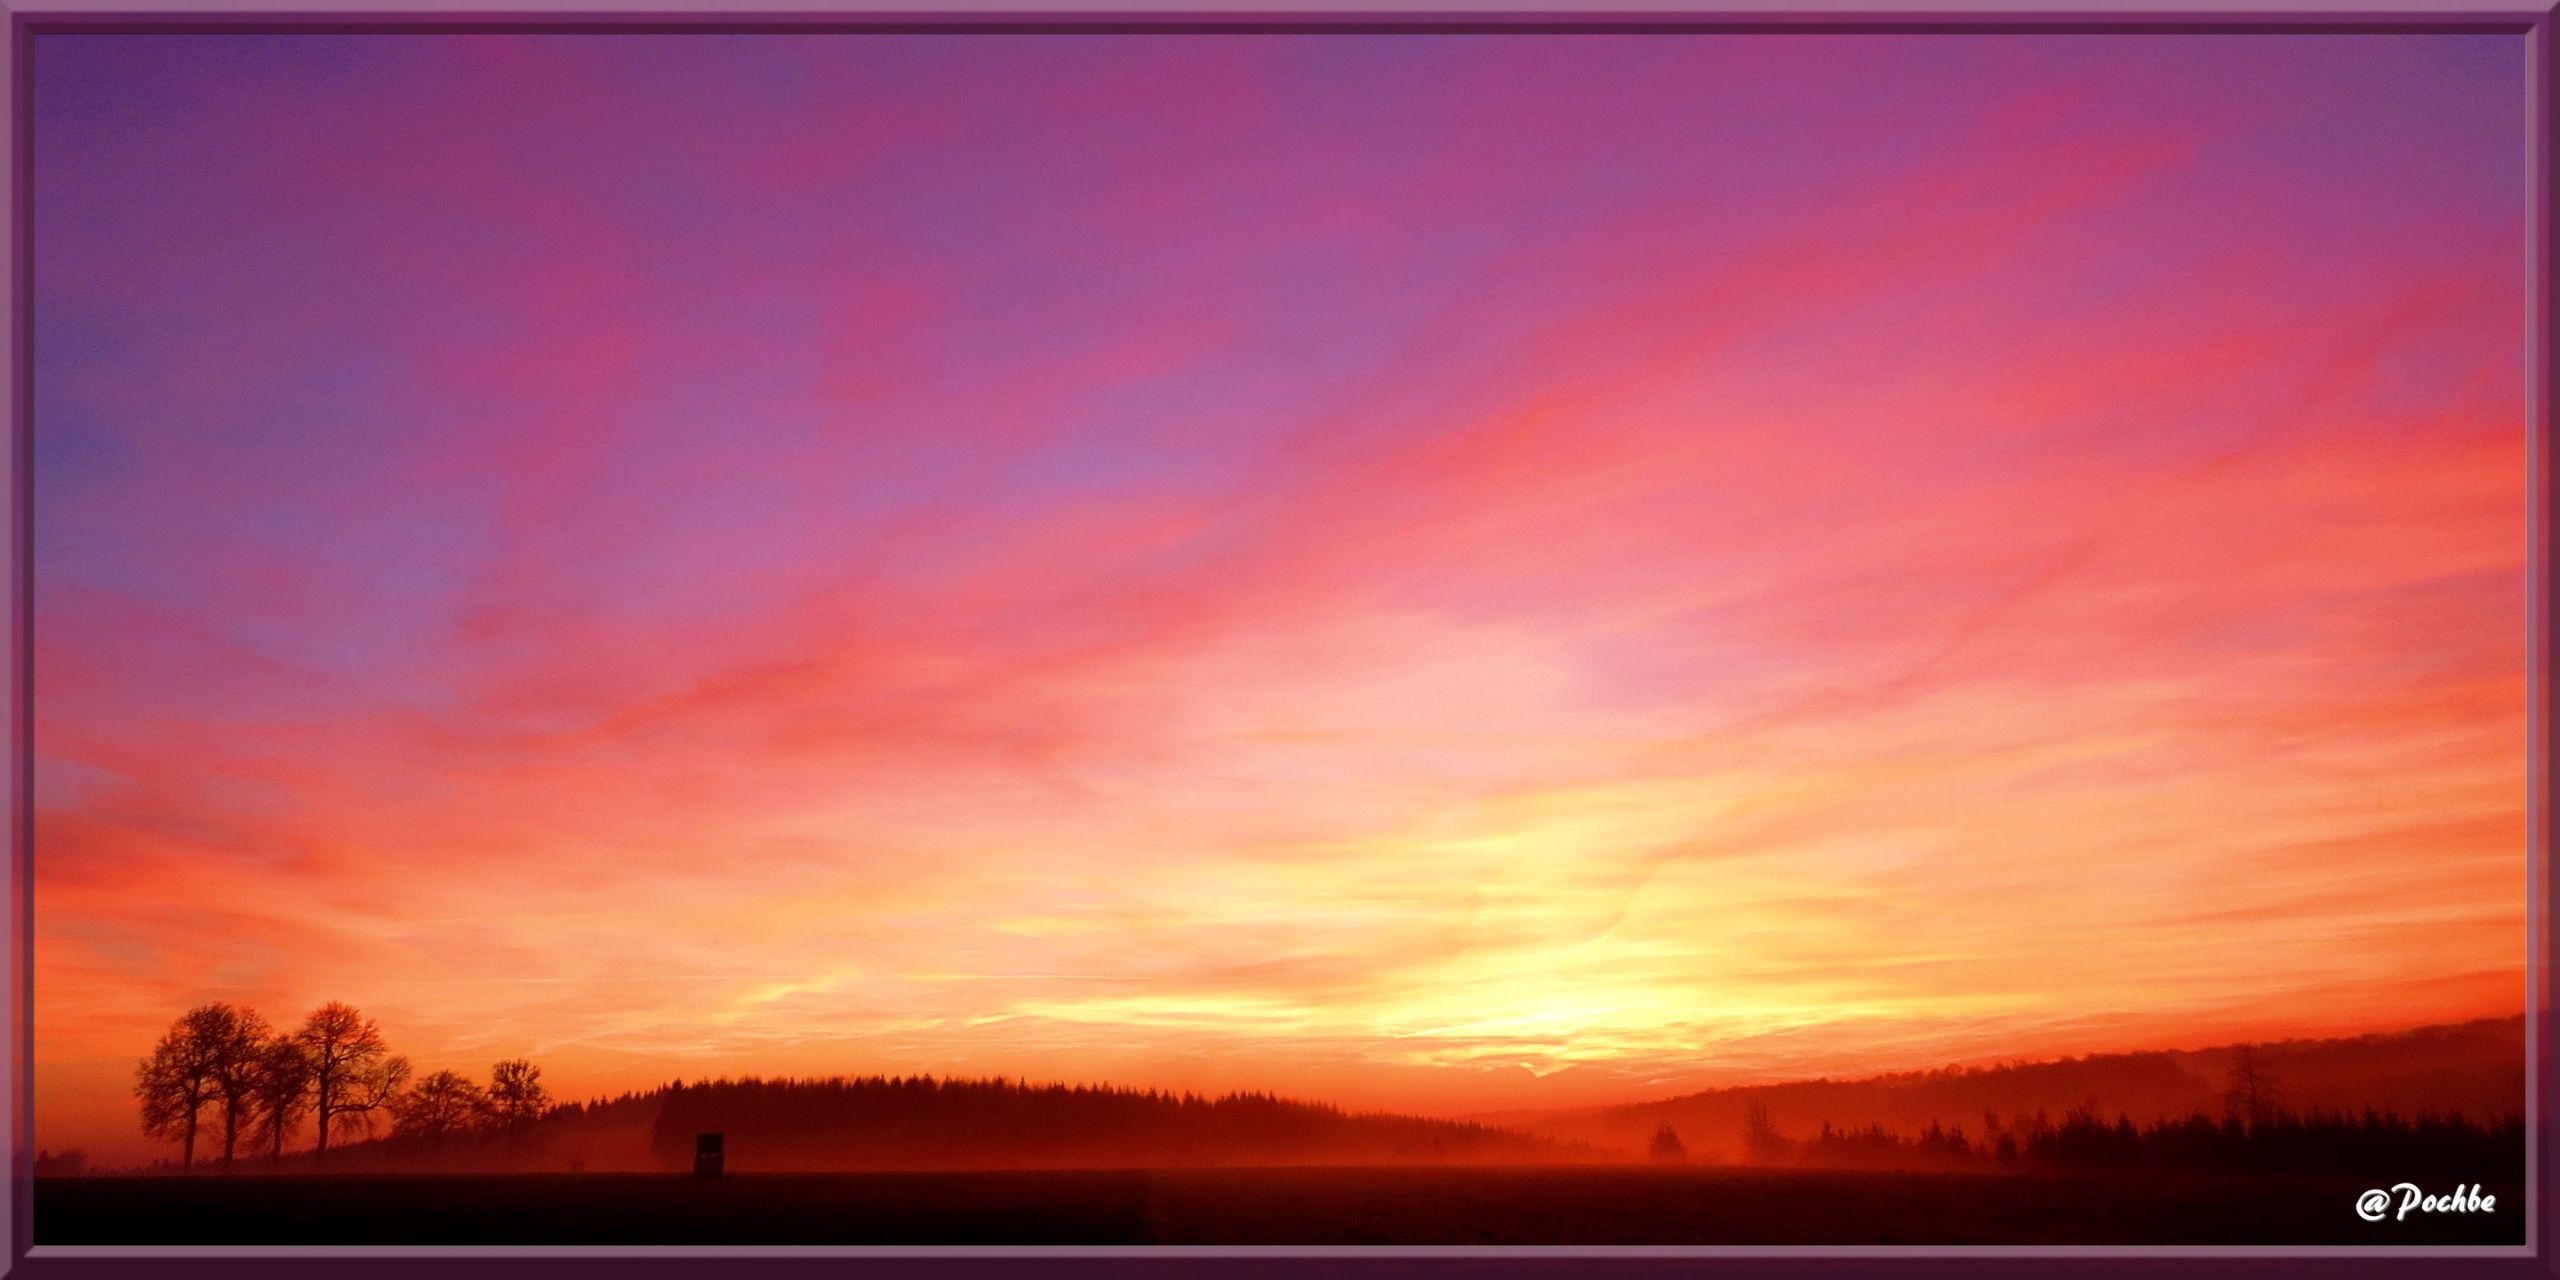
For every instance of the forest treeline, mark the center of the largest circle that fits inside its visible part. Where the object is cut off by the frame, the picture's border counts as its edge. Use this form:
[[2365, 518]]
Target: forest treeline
[[2427, 1146], [2255, 1132], [225, 1087], [2475, 1068], [222, 1071], [919, 1122], [223, 1084]]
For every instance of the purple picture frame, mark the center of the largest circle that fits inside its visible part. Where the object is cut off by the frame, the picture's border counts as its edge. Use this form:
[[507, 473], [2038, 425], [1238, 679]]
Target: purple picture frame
[[2531, 22]]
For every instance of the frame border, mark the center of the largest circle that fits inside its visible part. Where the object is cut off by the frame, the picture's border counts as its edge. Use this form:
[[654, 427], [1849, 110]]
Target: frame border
[[2532, 20]]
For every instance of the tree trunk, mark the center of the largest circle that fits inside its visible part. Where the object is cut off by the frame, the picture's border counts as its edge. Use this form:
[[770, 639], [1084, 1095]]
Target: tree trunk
[[278, 1155], [187, 1152], [230, 1133], [320, 1112]]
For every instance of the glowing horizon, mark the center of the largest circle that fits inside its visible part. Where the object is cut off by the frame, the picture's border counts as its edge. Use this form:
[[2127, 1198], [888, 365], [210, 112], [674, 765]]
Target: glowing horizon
[[1430, 573]]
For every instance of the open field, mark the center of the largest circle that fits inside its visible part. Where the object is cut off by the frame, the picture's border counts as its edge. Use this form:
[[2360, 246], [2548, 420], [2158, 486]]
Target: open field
[[1505, 1205]]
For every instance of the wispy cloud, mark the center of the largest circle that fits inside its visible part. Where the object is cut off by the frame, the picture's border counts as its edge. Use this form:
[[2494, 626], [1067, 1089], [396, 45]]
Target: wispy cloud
[[1441, 574]]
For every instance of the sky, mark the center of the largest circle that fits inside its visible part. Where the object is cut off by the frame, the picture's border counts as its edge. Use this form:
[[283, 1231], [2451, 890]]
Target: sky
[[1434, 573]]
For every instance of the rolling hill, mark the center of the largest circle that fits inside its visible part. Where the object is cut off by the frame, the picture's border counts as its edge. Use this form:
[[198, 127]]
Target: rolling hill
[[2474, 1069]]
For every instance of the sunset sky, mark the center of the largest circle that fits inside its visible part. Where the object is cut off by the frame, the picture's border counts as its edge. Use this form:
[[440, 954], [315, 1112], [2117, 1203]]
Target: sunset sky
[[1427, 572]]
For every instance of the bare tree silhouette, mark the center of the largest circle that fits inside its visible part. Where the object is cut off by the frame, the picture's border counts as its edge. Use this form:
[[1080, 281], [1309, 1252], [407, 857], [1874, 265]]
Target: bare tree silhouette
[[1666, 1146], [516, 1100], [2252, 1094], [353, 1073], [1760, 1137], [182, 1076], [439, 1104], [282, 1092], [238, 1055]]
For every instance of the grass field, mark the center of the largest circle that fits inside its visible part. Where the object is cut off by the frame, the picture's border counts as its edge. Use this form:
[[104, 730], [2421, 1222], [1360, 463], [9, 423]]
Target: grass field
[[1350, 1206]]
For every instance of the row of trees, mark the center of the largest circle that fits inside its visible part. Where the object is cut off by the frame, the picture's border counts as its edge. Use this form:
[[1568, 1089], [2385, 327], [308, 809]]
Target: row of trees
[[222, 1063], [2251, 1100], [2279, 1141], [924, 1122], [2255, 1130]]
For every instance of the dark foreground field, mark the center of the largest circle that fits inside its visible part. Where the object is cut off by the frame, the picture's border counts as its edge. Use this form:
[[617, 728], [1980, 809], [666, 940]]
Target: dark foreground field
[[1356, 1206]]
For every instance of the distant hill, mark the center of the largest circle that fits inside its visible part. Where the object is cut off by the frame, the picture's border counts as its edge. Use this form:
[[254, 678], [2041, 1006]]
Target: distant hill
[[922, 1123], [2472, 1069], [919, 1122]]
